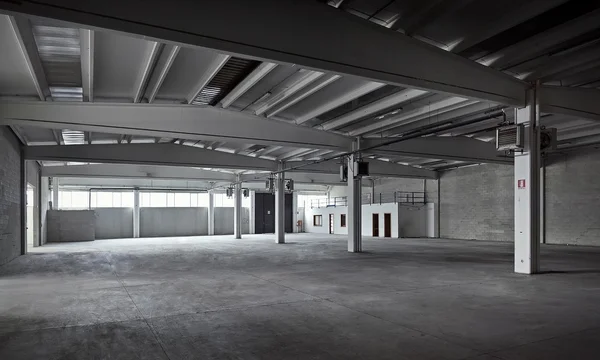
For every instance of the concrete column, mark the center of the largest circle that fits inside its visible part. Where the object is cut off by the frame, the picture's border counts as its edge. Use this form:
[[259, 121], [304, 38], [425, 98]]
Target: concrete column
[[211, 213], [55, 193], [527, 190], [237, 211], [295, 212], [280, 207], [136, 213], [252, 209], [354, 222]]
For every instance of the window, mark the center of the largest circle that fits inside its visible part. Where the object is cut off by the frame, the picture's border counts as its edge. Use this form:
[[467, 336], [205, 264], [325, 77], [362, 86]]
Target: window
[[343, 220], [318, 220], [109, 199], [173, 199]]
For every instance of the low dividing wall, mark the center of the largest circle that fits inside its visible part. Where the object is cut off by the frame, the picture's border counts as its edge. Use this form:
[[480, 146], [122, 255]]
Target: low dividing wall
[[71, 225], [114, 223], [156, 222]]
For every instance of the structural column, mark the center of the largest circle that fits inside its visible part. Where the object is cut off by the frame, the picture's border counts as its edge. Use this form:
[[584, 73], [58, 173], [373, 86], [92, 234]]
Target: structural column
[[251, 219], [211, 213], [280, 207], [136, 213], [527, 190], [54, 193], [295, 212], [354, 204], [237, 212]]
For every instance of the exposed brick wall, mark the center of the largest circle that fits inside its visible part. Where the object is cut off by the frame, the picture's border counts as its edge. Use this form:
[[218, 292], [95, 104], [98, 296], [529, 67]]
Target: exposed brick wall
[[10, 196], [477, 203], [573, 198]]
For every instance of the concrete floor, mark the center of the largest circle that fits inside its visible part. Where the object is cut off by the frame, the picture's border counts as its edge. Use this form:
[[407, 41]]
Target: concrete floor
[[218, 298]]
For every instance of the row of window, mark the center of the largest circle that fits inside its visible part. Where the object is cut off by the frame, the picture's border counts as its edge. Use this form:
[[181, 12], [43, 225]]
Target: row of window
[[68, 199], [318, 220]]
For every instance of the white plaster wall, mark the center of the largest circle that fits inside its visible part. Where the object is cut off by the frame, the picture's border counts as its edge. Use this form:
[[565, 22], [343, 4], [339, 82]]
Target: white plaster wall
[[367, 219], [417, 220]]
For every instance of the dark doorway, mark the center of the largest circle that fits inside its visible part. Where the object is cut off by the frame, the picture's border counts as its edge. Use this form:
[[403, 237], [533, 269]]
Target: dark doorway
[[375, 224], [331, 223], [264, 213], [387, 225]]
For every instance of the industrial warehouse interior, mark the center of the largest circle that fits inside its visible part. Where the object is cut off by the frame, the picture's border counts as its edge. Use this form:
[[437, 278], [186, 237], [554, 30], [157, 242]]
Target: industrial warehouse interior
[[300, 179]]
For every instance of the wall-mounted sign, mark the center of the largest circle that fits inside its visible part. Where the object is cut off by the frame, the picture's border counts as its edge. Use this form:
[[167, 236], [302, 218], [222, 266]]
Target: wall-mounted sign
[[521, 184]]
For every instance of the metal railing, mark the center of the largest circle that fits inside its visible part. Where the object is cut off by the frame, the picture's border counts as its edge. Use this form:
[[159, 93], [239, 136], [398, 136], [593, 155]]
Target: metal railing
[[395, 197], [331, 202]]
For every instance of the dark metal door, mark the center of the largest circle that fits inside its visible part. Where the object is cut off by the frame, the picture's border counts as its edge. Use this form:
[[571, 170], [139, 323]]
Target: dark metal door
[[375, 224], [387, 225]]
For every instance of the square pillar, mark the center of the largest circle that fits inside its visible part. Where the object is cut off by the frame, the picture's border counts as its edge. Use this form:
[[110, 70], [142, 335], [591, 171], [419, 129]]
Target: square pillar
[[237, 211], [251, 215], [280, 207], [295, 212], [354, 222], [136, 213], [527, 190], [55, 193], [211, 213]]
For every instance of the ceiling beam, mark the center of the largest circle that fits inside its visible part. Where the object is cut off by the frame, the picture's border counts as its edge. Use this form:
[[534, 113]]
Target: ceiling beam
[[299, 178], [175, 121], [572, 101], [255, 76], [87, 63], [212, 69], [147, 154], [296, 82], [377, 168], [306, 92], [447, 148], [384, 55], [372, 108], [136, 172], [341, 100], [163, 65], [24, 34], [152, 53]]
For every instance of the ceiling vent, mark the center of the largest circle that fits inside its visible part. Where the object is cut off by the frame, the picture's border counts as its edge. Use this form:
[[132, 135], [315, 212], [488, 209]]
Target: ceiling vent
[[510, 137]]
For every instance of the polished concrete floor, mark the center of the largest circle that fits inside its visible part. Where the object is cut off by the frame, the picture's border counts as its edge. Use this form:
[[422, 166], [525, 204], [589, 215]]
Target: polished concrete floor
[[220, 298]]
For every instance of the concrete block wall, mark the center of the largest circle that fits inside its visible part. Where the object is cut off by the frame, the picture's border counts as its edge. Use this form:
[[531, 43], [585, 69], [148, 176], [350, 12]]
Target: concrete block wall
[[477, 203], [71, 225], [114, 223], [155, 222], [572, 194], [10, 196]]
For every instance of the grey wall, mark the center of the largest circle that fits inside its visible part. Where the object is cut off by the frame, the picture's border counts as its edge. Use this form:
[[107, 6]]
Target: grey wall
[[416, 220], [114, 223], [573, 198], [10, 196], [224, 220], [71, 225], [477, 203], [156, 222]]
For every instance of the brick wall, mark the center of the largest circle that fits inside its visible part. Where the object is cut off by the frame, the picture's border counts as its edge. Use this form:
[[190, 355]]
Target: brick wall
[[10, 196], [477, 203], [573, 198]]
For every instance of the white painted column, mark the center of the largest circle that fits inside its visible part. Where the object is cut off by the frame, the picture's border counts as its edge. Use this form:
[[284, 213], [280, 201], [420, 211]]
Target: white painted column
[[136, 213], [280, 207], [251, 210], [354, 222], [54, 193], [211, 213], [527, 190], [295, 212], [237, 211]]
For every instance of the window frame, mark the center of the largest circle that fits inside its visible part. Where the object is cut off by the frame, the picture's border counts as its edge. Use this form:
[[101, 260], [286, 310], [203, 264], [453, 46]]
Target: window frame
[[317, 220], [342, 220]]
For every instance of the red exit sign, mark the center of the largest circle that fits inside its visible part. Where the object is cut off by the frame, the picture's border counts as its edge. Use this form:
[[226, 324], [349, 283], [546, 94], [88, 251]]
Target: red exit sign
[[521, 184]]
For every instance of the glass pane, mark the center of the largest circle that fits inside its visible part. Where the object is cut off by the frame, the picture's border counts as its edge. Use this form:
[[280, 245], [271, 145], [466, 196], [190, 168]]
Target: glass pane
[[116, 199], [182, 199], [30, 197], [105, 199], [127, 199], [203, 200], [79, 199], [158, 199], [94, 200], [145, 199], [170, 199], [194, 200]]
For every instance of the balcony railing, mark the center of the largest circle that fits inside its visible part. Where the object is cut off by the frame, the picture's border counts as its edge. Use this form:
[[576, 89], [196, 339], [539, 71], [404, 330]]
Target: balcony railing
[[395, 197]]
